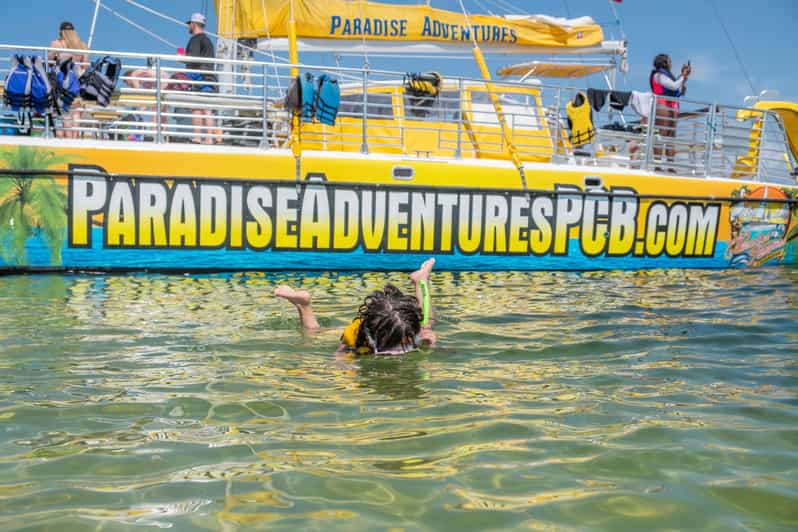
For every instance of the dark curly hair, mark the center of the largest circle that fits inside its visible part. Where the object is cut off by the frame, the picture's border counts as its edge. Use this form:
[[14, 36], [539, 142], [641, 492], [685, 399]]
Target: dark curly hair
[[661, 61], [390, 317]]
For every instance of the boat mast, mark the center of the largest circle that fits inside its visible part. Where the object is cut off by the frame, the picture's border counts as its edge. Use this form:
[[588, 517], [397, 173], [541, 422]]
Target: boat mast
[[93, 22], [483, 68], [296, 123]]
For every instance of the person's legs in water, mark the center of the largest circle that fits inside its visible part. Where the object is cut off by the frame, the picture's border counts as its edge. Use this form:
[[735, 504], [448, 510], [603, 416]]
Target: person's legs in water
[[421, 277], [301, 300]]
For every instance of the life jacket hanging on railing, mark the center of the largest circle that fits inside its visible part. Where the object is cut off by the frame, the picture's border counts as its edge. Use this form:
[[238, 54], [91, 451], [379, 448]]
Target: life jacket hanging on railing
[[312, 97], [27, 89], [580, 121], [422, 90], [301, 97], [308, 96], [65, 83], [423, 85], [18, 84], [98, 83], [328, 99], [41, 92]]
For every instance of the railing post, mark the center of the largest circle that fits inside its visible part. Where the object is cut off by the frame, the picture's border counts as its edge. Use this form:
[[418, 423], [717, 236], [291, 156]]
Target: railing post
[[759, 148], [652, 114], [265, 122], [710, 146], [47, 118], [364, 146], [459, 151], [555, 154], [158, 129]]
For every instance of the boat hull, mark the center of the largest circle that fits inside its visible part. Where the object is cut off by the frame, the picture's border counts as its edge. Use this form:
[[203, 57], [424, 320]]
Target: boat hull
[[137, 206]]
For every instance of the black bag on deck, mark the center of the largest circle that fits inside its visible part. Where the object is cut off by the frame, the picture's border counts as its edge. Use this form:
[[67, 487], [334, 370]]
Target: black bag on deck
[[97, 84]]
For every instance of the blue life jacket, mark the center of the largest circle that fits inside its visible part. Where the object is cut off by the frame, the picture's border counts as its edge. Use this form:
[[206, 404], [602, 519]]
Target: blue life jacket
[[656, 88], [9, 125], [308, 91], [27, 89], [328, 98], [18, 84], [66, 86]]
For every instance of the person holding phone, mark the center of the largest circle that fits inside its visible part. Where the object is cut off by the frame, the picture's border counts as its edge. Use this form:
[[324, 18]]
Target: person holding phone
[[668, 88]]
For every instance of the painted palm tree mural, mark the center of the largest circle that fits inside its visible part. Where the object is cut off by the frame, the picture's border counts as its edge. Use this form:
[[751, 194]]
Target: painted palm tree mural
[[31, 203]]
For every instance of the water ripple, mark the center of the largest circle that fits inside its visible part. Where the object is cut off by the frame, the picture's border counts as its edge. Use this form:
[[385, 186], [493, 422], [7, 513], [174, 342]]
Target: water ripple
[[662, 399]]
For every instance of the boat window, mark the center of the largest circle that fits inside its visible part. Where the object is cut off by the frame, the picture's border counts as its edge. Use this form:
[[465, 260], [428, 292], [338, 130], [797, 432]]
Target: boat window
[[520, 110], [445, 107], [380, 105]]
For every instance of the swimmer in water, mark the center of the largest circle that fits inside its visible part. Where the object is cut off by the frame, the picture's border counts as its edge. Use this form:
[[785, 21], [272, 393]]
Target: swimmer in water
[[387, 323]]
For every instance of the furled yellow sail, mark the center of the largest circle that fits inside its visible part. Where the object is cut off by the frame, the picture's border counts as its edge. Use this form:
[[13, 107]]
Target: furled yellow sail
[[363, 20]]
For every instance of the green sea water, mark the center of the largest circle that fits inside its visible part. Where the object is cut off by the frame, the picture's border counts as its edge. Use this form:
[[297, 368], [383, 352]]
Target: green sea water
[[556, 401]]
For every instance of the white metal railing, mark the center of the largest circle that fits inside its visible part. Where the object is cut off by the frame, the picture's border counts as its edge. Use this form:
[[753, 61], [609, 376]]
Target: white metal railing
[[240, 103]]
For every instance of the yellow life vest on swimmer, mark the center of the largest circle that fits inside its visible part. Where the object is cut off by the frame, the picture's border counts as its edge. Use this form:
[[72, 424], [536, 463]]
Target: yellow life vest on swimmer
[[580, 121], [349, 337]]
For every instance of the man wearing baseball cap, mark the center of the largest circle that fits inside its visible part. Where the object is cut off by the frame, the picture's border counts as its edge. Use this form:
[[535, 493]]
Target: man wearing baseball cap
[[201, 46]]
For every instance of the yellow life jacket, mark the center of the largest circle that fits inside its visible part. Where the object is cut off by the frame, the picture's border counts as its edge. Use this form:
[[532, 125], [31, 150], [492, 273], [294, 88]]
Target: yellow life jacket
[[349, 336], [580, 121]]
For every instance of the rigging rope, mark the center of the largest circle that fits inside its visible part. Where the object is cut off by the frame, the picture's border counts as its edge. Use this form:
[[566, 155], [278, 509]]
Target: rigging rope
[[183, 23], [511, 9], [363, 38], [137, 26], [733, 47], [483, 8], [269, 40]]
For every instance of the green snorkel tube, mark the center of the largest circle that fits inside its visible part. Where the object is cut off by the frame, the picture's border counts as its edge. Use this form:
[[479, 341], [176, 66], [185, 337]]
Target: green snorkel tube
[[424, 302]]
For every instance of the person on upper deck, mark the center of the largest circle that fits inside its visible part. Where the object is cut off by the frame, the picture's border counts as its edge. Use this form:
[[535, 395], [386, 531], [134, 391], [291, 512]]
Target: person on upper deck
[[201, 74], [68, 39], [664, 83]]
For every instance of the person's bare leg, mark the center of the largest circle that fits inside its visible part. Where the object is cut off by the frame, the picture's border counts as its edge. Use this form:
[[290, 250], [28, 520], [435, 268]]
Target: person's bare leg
[[422, 274], [210, 127], [301, 300], [197, 121], [671, 151]]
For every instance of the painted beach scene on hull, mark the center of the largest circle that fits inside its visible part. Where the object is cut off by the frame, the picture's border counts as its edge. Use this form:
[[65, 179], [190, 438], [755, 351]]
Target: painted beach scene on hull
[[404, 265]]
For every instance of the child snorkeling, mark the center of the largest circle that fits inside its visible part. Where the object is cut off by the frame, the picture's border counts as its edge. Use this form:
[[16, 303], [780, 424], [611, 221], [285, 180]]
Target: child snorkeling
[[387, 323]]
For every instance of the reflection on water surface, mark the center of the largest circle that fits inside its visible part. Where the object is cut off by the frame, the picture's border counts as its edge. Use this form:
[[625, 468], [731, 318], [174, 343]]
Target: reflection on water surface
[[606, 400]]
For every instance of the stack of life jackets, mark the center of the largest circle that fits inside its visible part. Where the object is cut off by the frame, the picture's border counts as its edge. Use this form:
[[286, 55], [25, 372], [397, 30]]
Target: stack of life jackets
[[98, 83], [317, 98], [580, 121], [28, 90], [66, 87]]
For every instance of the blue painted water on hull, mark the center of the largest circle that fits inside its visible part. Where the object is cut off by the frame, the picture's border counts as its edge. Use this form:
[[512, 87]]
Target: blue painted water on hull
[[97, 257]]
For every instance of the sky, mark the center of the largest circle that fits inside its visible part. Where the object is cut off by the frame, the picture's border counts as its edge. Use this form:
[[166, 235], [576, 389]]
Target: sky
[[763, 33]]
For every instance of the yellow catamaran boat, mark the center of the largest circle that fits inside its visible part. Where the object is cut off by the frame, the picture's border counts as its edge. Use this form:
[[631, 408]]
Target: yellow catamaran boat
[[517, 173]]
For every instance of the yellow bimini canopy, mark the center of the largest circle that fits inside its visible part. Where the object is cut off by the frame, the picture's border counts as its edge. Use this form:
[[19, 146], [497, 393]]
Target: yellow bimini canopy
[[544, 69], [788, 112], [335, 23]]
